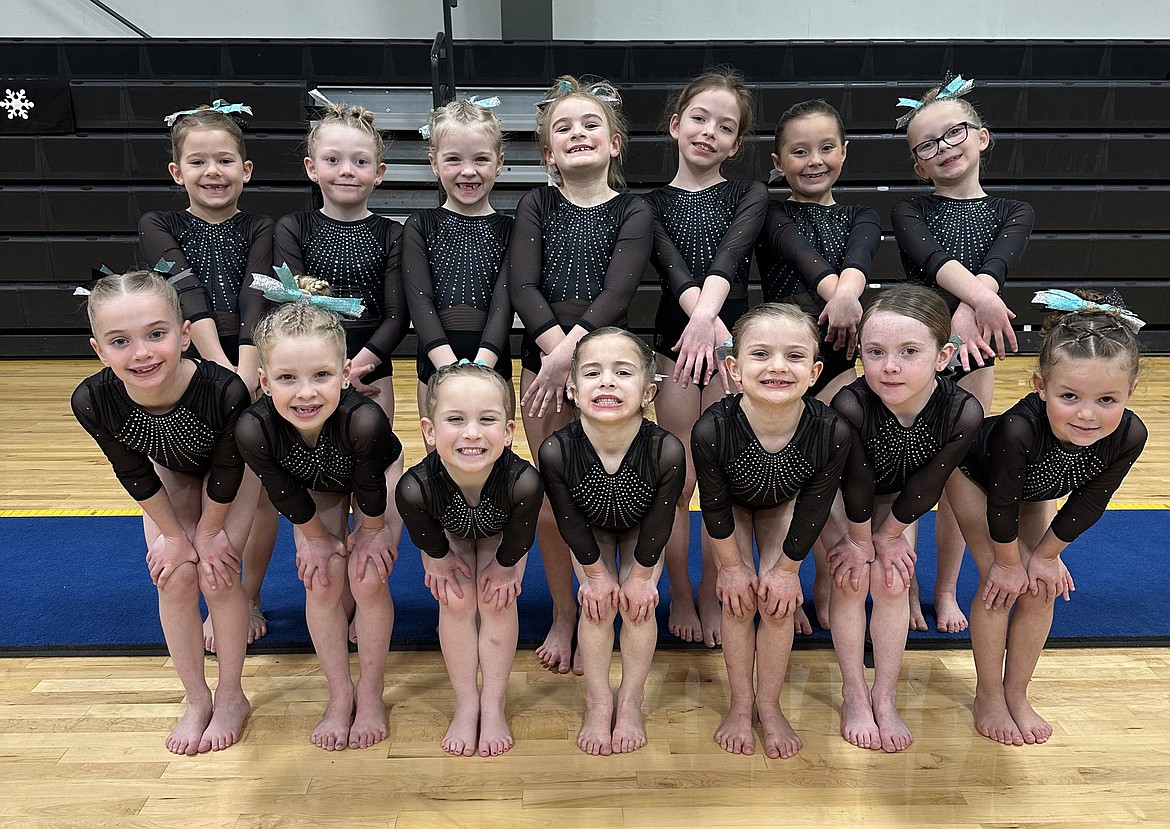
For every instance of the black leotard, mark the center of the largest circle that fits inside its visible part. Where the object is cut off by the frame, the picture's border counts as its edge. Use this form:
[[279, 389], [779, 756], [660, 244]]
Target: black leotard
[[986, 235], [359, 259], [570, 265], [456, 292], [223, 256], [697, 234], [432, 505], [642, 493], [195, 437], [913, 461], [800, 245], [734, 469], [352, 453], [1017, 458]]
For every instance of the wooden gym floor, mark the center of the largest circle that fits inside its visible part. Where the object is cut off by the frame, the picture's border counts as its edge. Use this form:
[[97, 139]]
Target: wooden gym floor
[[81, 739]]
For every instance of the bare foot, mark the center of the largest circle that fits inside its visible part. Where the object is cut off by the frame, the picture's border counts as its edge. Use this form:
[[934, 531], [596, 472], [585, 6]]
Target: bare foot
[[208, 635], [949, 614], [257, 624], [780, 741], [332, 733], [352, 632], [187, 734], [494, 735], [800, 622], [822, 594], [596, 734], [895, 736], [917, 620], [1033, 727], [556, 653], [629, 732], [227, 722], [369, 719], [734, 734], [858, 726], [460, 737], [683, 621], [994, 721], [711, 614]]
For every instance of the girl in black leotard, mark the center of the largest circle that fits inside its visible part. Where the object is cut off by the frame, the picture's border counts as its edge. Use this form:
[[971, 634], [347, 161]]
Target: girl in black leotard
[[613, 478], [319, 446], [471, 507], [816, 254], [577, 253], [223, 247], [167, 425], [1072, 438], [704, 229], [453, 256], [910, 428], [769, 462], [357, 252], [963, 243]]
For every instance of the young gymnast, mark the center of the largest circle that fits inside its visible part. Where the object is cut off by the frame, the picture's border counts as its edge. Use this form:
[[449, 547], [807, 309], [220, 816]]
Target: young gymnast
[[578, 251], [613, 478], [769, 461], [167, 424], [471, 507], [964, 243], [704, 230], [452, 255], [911, 428], [223, 247], [816, 253], [318, 445], [1072, 437], [357, 252]]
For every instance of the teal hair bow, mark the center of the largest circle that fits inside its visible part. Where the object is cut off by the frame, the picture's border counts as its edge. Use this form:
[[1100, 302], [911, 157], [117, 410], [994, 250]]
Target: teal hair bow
[[218, 105], [1058, 300], [486, 103], [163, 269], [284, 289], [954, 86]]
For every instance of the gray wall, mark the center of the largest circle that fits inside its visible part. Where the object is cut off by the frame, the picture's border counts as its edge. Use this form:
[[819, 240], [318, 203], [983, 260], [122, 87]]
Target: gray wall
[[600, 19]]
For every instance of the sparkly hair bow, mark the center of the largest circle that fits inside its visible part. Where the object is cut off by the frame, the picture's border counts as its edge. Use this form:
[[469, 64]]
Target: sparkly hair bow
[[218, 105], [1058, 300], [163, 269], [953, 86], [486, 103], [284, 289], [601, 91]]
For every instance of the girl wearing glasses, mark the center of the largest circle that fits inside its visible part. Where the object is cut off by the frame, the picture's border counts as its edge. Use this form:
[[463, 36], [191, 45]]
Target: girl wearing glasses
[[961, 242]]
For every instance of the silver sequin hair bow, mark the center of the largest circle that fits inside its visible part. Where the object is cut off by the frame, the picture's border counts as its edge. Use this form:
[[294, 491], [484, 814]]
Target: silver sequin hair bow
[[218, 105], [284, 289], [163, 269], [1058, 300], [953, 86]]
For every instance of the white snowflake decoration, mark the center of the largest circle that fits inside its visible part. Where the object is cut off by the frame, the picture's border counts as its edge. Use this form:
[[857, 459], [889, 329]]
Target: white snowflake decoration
[[16, 104]]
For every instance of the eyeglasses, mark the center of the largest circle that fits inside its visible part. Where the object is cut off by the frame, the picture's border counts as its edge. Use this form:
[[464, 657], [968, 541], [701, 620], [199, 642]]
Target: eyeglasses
[[953, 137]]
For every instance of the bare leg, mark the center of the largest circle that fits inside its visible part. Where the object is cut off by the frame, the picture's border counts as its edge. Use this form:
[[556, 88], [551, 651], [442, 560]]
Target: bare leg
[[498, 632], [638, 642], [834, 528], [888, 627], [734, 734], [710, 609], [595, 641], [556, 653], [916, 619], [257, 555], [374, 620], [774, 646], [847, 611], [1031, 622], [458, 635]]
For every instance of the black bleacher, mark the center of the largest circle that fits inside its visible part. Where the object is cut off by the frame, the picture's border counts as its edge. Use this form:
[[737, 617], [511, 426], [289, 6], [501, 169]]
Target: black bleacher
[[1082, 132]]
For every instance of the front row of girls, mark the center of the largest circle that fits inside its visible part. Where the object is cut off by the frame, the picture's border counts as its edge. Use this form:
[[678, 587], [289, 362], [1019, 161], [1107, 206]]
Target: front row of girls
[[178, 431]]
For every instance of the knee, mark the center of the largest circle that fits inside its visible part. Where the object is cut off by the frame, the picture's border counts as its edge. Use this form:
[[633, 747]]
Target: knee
[[215, 592], [182, 584], [460, 610], [640, 625]]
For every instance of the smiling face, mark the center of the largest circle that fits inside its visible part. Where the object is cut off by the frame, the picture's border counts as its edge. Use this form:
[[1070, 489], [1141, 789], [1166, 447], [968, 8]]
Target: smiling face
[[708, 129], [212, 171], [346, 165], [610, 382], [580, 141], [901, 359], [810, 158], [469, 425], [775, 360], [140, 338], [467, 162], [1085, 399], [952, 166], [305, 377]]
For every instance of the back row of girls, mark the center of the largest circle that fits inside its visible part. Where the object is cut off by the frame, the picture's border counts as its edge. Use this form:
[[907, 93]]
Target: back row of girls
[[575, 257]]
